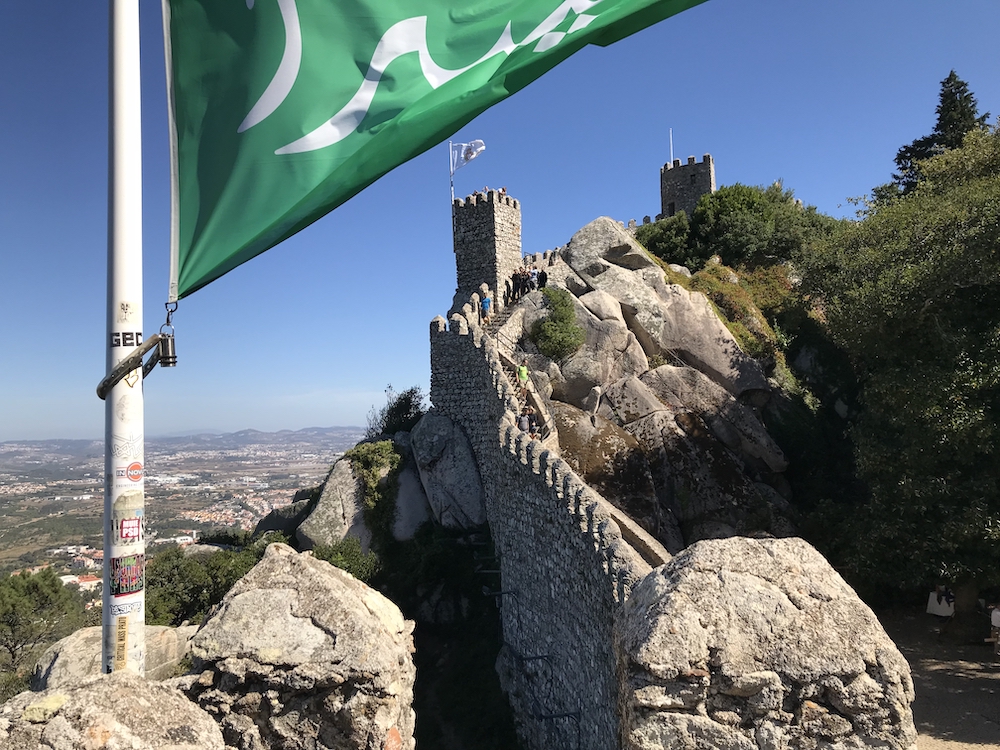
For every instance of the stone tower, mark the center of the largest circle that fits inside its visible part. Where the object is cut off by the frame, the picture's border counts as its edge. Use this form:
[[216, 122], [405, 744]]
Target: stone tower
[[682, 185], [487, 244]]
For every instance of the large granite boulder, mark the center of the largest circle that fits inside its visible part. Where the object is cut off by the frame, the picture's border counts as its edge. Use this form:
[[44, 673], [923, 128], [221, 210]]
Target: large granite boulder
[[748, 644], [340, 511], [120, 710], [705, 485], [302, 656], [448, 471], [611, 461], [285, 519], [603, 305], [78, 656], [664, 317], [610, 351], [412, 508], [732, 423]]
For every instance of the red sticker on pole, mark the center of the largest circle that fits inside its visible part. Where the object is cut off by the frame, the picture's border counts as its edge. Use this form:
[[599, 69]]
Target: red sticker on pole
[[130, 528]]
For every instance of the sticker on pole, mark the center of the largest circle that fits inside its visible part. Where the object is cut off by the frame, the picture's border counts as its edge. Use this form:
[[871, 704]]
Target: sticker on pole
[[128, 574], [127, 514], [121, 642]]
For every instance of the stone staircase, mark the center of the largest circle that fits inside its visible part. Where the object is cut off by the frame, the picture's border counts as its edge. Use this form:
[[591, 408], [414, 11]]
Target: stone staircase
[[510, 354]]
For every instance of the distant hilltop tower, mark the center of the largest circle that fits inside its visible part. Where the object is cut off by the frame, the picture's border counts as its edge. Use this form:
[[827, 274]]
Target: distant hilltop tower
[[487, 244], [682, 185]]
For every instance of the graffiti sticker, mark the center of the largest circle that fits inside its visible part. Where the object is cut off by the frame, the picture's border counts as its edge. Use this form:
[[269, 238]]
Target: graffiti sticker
[[118, 610], [128, 574]]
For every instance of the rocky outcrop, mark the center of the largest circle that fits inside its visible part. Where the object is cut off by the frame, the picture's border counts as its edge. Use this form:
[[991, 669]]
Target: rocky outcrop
[[612, 462], [757, 645], [735, 425], [120, 710], [609, 352], [699, 479], [78, 656], [338, 513], [285, 519], [412, 508], [300, 655], [664, 317], [448, 472]]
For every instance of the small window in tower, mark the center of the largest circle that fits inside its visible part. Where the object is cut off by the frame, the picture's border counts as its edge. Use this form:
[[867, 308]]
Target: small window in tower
[[671, 209], [694, 179]]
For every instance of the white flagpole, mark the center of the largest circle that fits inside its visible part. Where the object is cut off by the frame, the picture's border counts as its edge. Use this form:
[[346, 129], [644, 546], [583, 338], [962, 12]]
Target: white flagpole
[[124, 616], [451, 173], [671, 146]]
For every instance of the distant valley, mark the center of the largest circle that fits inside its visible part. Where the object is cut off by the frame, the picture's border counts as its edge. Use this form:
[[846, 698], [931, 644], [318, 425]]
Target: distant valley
[[52, 491]]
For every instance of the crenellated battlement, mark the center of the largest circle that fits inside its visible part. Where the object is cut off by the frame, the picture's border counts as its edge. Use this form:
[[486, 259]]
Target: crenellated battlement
[[545, 258], [565, 560], [487, 197], [706, 161]]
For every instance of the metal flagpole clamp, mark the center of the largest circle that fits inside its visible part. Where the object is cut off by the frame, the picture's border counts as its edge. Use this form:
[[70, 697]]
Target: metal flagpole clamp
[[166, 351], [165, 355]]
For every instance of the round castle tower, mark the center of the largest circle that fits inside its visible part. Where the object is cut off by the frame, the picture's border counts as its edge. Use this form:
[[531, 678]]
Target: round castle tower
[[487, 245]]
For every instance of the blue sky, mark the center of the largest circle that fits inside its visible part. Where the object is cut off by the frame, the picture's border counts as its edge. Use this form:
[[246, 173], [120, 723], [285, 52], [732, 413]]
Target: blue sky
[[818, 94]]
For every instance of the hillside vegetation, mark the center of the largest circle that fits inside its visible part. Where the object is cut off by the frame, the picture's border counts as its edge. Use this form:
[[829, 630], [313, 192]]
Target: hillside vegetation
[[884, 333]]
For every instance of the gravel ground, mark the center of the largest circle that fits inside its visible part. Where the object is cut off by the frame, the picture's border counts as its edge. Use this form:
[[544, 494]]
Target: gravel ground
[[957, 685]]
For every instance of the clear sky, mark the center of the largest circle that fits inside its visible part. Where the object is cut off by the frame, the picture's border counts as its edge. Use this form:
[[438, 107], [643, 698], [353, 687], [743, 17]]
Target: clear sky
[[819, 94]]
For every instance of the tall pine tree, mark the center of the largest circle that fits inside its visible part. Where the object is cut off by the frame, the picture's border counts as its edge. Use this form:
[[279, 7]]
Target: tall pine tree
[[957, 114]]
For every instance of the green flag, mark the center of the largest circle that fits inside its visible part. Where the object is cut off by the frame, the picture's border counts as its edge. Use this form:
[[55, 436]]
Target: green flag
[[281, 110]]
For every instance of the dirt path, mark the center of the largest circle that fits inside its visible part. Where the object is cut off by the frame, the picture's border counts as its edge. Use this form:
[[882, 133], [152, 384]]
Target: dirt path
[[957, 685]]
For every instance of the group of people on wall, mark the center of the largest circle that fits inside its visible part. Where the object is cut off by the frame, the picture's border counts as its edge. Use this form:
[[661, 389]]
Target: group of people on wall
[[525, 280]]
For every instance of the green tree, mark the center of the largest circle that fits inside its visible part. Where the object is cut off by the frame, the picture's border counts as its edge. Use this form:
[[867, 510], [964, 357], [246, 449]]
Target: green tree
[[401, 412], [753, 226], [35, 611], [913, 294], [957, 114], [558, 335], [181, 587], [669, 239]]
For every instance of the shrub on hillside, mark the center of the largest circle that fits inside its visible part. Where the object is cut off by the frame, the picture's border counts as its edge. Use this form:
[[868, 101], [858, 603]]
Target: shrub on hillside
[[401, 412], [370, 462], [668, 239], [557, 336], [348, 555]]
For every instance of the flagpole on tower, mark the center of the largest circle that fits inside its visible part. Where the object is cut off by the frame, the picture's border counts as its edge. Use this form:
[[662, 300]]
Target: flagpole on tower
[[123, 617], [451, 179]]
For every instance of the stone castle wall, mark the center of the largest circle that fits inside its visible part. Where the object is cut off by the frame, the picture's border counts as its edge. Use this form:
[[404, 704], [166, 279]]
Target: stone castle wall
[[565, 568], [682, 185], [487, 244]]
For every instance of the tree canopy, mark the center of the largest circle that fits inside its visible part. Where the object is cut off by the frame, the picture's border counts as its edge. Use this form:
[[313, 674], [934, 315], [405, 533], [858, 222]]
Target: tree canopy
[[957, 114], [35, 610], [912, 293], [743, 225]]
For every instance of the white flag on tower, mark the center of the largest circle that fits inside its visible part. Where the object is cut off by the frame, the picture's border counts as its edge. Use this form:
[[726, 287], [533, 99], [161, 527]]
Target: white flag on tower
[[463, 153]]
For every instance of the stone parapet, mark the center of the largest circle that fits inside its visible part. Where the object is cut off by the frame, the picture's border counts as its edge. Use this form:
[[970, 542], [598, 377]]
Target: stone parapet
[[565, 566]]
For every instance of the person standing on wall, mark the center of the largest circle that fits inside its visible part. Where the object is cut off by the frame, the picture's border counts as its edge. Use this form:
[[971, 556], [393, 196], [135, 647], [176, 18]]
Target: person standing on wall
[[485, 306], [522, 378]]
